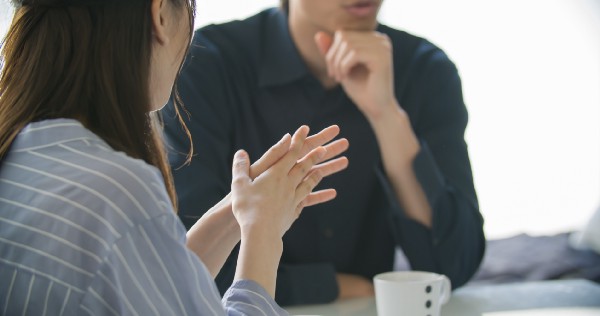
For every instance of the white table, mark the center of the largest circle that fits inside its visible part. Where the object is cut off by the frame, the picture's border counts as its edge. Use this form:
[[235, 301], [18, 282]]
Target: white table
[[477, 300]]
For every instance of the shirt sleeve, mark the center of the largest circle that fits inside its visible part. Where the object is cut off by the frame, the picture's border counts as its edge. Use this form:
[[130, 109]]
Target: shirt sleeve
[[313, 283], [455, 244], [246, 297], [150, 271]]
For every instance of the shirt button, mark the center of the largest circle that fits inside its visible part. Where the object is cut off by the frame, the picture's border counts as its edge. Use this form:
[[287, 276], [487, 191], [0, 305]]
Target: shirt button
[[328, 232]]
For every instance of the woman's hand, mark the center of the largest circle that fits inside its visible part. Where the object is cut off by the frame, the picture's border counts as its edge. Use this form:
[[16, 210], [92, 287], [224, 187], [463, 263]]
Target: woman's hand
[[326, 165], [266, 206], [273, 200], [215, 234]]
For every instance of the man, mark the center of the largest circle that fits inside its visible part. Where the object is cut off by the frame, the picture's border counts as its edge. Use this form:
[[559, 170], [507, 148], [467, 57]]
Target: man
[[397, 99]]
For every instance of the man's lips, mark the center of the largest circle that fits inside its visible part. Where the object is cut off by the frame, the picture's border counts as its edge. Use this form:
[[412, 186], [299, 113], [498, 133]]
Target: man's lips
[[362, 8]]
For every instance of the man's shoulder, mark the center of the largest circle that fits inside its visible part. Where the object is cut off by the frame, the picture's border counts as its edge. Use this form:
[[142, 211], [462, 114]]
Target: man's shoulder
[[243, 34], [408, 44], [230, 45], [415, 55], [249, 24]]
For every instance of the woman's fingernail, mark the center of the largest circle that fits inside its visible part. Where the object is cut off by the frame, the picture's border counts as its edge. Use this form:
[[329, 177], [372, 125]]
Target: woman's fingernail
[[241, 154], [284, 138]]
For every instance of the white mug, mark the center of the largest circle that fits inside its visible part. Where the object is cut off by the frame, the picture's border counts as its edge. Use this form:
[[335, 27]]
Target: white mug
[[411, 293]]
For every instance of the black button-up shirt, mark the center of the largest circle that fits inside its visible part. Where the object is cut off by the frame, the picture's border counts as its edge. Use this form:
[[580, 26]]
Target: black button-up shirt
[[245, 85]]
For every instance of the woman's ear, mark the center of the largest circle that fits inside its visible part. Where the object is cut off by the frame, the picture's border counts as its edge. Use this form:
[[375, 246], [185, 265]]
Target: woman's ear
[[158, 10]]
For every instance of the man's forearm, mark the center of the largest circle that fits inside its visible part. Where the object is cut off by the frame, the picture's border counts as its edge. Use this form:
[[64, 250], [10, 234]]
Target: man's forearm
[[399, 147]]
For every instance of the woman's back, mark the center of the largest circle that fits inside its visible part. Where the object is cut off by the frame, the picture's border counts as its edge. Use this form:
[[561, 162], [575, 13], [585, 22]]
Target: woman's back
[[81, 225]]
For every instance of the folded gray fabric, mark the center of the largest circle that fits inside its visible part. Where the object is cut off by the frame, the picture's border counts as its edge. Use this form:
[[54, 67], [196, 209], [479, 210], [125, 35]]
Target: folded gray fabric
[[530, 258]]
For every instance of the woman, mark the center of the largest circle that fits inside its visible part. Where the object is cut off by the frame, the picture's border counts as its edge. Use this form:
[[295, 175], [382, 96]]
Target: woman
[[87, 221]]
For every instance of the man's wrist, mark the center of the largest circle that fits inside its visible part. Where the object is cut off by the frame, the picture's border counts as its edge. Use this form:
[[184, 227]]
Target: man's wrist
[[382, 111], [397, 140]]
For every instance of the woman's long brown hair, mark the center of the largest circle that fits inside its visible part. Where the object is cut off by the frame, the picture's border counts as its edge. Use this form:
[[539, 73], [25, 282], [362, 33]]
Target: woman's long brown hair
[[284, 5], [88, 60]]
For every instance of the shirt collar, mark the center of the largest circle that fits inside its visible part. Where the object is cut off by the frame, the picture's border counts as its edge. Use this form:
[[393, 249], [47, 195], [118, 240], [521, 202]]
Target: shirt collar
[[280, 61], [51, 132]]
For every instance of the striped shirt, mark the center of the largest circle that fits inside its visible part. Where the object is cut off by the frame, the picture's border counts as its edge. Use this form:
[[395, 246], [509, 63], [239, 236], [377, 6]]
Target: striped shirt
[[88, 230]]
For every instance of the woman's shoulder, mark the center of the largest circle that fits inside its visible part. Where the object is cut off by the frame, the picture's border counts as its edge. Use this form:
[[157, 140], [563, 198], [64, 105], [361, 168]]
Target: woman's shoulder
[[127, 183], [63, 158], [64, 181]]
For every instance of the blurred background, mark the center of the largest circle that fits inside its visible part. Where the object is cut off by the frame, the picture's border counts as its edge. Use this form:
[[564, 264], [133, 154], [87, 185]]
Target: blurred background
[[531, 82]]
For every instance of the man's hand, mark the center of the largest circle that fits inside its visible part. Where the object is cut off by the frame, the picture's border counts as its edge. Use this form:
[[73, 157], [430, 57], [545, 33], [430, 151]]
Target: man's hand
[[354, 286], [362, 63]]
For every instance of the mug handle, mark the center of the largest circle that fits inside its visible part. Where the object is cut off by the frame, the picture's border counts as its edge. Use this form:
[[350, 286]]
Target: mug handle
[[445, 291]]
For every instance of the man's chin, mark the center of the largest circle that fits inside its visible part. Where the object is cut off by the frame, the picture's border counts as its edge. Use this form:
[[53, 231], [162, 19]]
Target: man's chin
[[358, 25]]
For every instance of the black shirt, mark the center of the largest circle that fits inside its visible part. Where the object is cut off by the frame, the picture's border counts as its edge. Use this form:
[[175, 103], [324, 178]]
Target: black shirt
[[245, 86]]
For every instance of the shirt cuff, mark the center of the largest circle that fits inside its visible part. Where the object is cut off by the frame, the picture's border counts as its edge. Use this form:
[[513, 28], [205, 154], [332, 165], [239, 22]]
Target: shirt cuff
[[432, 182], [428, 174], [413, 237], [313, 283], [247, 296]]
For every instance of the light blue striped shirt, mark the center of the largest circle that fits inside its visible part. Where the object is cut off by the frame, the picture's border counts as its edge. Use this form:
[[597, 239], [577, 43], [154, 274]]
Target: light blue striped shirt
[[88, 230]]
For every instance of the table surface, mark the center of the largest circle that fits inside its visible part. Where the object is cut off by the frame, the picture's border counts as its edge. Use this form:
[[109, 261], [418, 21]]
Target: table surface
[[558, 295]]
